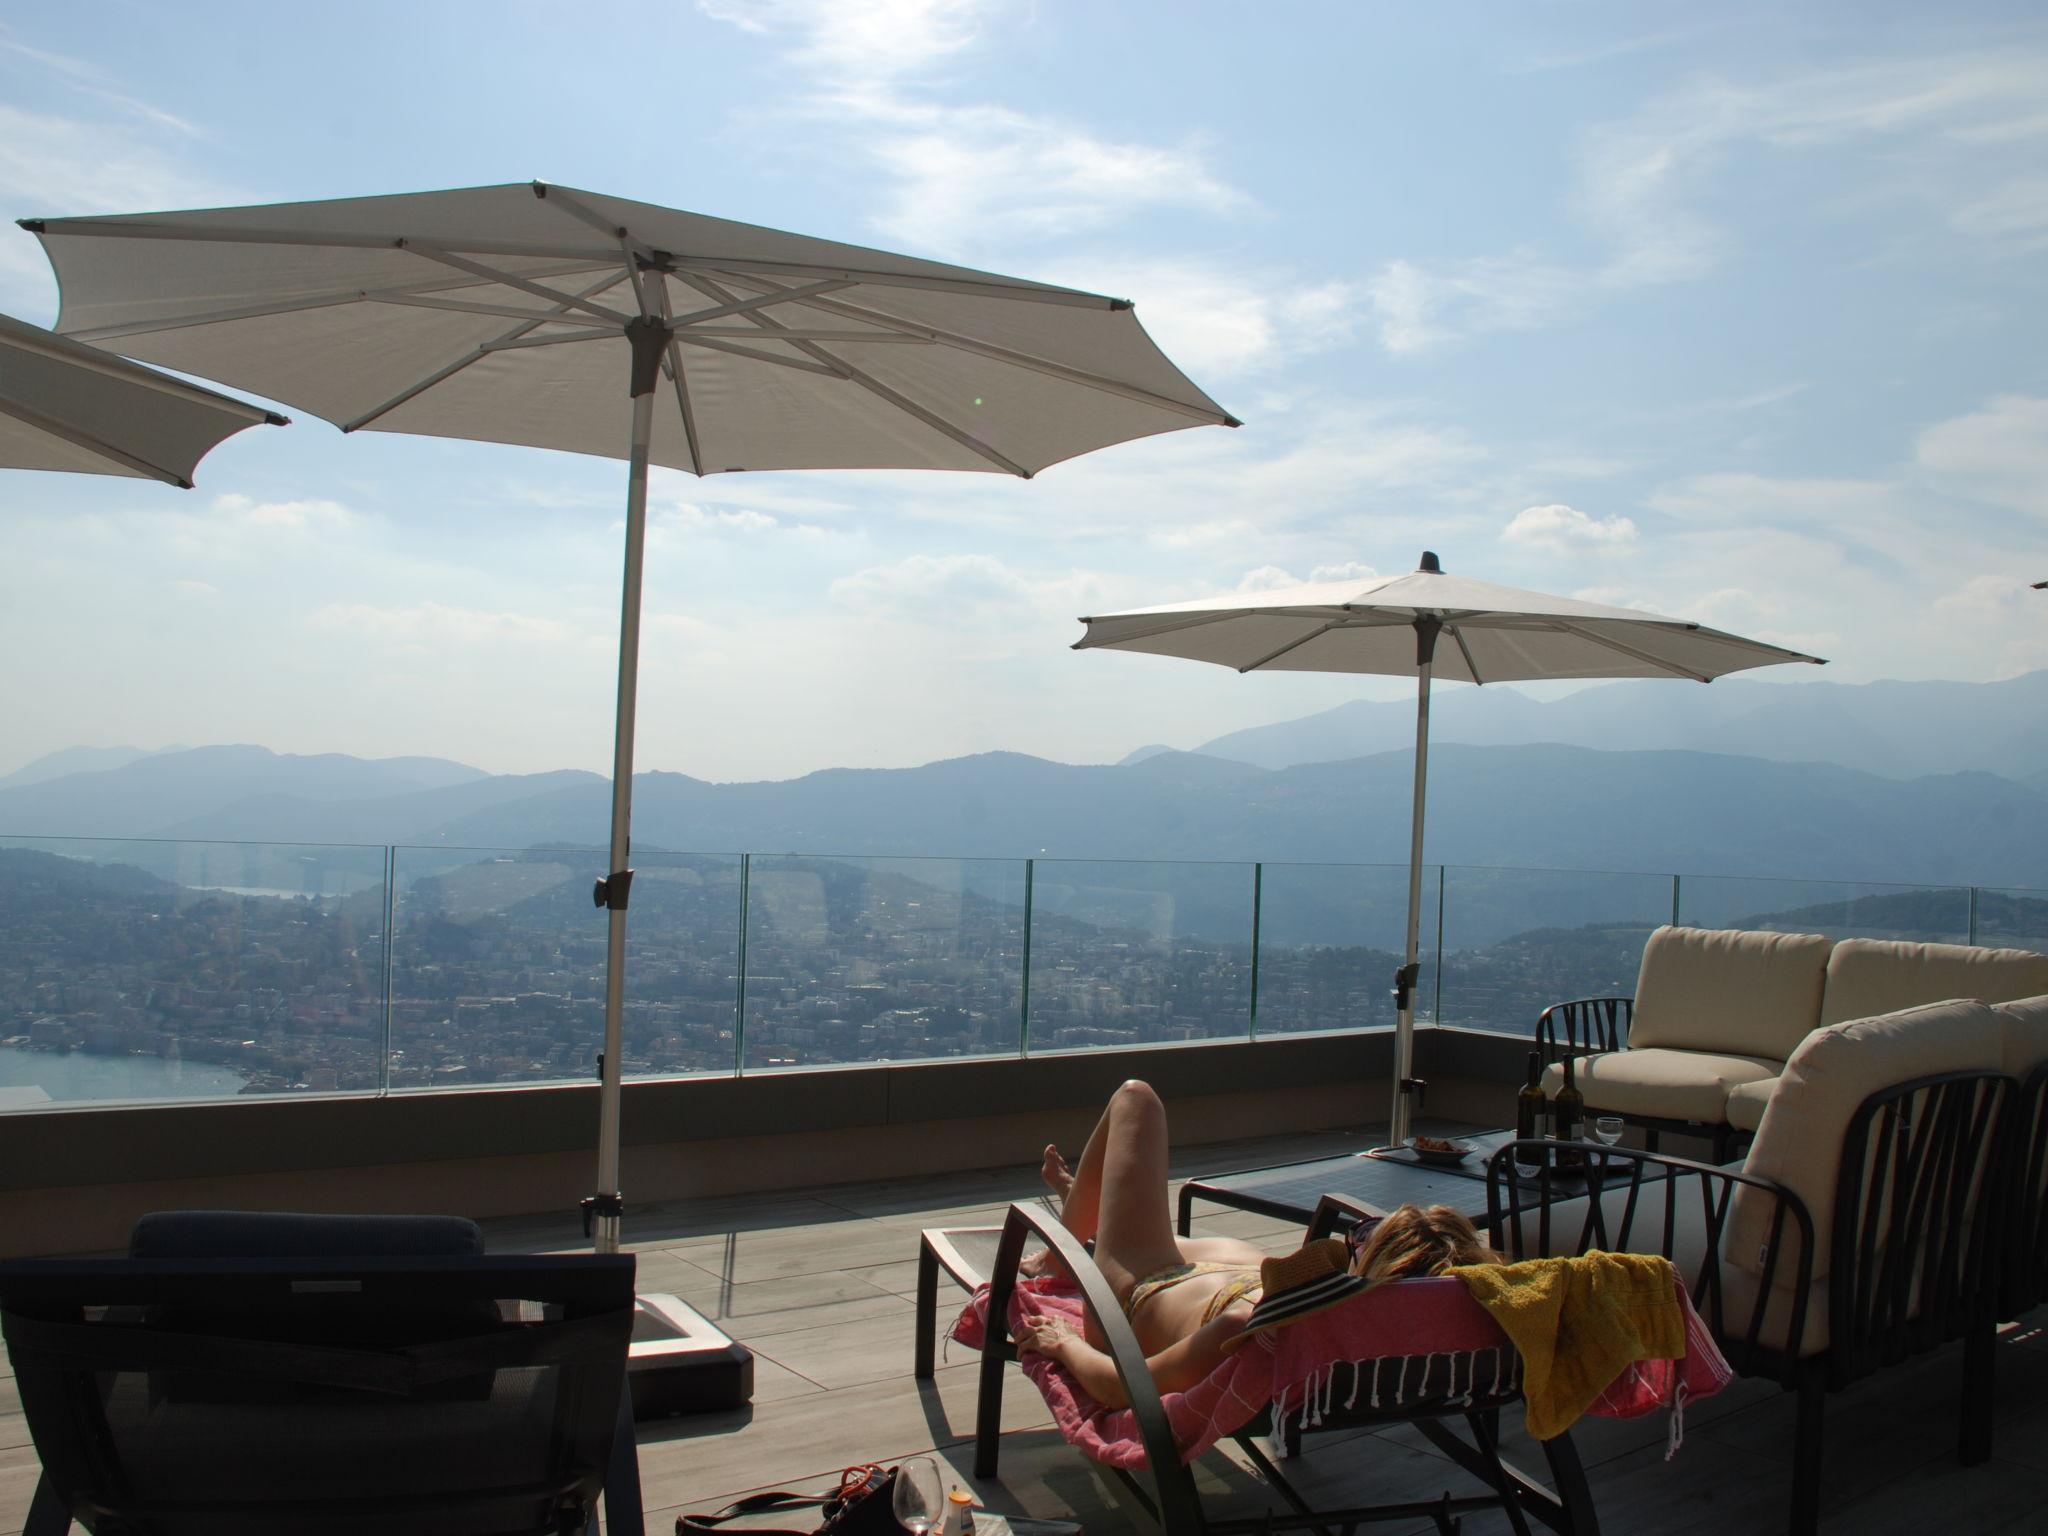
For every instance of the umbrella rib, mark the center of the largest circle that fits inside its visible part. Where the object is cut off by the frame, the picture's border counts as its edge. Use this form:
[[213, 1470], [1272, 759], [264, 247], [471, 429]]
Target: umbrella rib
[[1008, 355], [601, 333], [761, 301], [74, 354], [712, 344], [91, 444], [1465, 650], [289, 306], [132, 229], [1292, 645], [866, 277], [866, 381], [1628, 650], [1152, 631], [680, 383], [493, 274], [483, 350]]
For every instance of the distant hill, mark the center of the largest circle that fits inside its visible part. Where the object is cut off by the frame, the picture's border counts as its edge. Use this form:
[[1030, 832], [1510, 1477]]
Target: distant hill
[[1530, 807], [1899, 730], [205, 789], [56, 765]]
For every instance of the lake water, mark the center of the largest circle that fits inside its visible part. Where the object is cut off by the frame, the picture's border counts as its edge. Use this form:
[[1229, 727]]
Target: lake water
[[76, 1075]]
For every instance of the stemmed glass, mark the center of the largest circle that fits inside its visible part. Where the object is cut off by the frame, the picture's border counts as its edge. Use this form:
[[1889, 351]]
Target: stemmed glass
[[919, 1500], [1608, 1129]]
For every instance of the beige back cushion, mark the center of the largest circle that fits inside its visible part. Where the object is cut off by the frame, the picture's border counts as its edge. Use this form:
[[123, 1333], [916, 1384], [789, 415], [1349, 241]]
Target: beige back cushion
[[1721, 989], [2023, 1028], [1799, 1142], [1867, 977]]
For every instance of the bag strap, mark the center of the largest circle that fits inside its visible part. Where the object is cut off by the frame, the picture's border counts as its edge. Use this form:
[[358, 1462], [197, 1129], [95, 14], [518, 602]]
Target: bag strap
[[753, 1503]]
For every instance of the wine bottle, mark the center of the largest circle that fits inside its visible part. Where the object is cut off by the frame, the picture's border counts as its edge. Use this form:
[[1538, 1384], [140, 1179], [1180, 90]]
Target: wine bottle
[[1568, 1117], [1531, 1108]]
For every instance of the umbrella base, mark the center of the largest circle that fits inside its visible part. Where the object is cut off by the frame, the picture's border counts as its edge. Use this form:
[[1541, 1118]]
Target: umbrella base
[[680, 1363]]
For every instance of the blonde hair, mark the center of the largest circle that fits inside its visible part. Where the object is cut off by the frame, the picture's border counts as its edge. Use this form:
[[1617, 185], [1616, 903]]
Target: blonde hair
[[1414, 1242]]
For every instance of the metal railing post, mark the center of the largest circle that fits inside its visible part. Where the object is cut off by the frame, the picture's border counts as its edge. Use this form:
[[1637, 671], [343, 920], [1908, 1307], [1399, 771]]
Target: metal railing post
[[739, 1002], [1258, 880], [1024, 990], [1674, 900], [1973, 914], [390, 944]]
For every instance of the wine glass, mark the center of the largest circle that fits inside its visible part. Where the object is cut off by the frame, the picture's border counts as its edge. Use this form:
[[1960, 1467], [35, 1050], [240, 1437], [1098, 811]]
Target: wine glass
[[1608, 1128], [919, 1500]]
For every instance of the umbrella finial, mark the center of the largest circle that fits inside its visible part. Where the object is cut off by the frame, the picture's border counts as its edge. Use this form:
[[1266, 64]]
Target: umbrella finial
[[1429, 563]]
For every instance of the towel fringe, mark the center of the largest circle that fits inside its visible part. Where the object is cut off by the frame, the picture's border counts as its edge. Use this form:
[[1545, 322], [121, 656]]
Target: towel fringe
[[1352, 1401], [1376, 1381], [1675, 1436]]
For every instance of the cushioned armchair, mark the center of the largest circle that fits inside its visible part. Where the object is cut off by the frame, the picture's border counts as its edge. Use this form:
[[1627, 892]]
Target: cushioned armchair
[[1713, 1009]]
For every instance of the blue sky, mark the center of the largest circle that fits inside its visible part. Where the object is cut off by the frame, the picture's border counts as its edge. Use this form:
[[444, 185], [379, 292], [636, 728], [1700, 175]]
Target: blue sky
[[1734, 315]]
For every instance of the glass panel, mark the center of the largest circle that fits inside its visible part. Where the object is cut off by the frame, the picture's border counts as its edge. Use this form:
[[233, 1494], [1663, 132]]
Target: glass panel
[[1921, 914], [169, 970], [881, 959], [1138, 954], [1331, 937], [498, 971], [1518, 940], [2013, 919]]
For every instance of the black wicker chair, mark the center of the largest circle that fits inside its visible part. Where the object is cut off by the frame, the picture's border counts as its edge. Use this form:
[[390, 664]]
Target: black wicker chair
[[1912, 1262], [1167, 1492], [423, 1392]]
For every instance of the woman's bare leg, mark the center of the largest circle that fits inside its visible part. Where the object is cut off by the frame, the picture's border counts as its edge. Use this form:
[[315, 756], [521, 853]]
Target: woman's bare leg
[[1117, 1193]]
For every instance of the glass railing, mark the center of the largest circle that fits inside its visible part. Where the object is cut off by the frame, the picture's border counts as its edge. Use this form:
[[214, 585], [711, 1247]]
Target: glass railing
[[145, 971]]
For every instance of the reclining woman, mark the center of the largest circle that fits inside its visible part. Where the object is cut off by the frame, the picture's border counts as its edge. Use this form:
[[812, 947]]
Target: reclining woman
[[1188, 1298]]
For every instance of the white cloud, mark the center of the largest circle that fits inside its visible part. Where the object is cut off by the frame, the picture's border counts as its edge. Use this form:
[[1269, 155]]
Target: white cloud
[[1349, 570], [1998, 454], [1267, 578], [190, 588], [968, 592], [1959, 134], [433, 626], [870, 40], [1560, 527], [294, 515]]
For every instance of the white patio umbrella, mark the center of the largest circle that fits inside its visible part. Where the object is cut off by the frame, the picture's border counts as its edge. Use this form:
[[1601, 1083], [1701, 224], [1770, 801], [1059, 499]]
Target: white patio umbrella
[[531, 313], [65, 406], [1393, 624]]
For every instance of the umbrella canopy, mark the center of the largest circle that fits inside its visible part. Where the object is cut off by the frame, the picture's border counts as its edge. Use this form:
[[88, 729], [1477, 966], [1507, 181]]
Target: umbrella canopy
[[65, 406], [532, 314], [1427, 623], [505, 314]]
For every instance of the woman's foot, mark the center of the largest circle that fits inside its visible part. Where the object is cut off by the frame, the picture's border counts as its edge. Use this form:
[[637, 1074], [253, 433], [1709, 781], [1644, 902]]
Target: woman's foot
[[1059, 1178]]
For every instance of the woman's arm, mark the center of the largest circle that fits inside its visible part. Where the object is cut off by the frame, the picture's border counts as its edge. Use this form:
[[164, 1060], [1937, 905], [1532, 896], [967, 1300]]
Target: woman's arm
[[1174, 1369]]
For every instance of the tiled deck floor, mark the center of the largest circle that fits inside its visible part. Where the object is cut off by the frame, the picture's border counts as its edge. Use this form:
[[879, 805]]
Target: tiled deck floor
[[819, 1284]]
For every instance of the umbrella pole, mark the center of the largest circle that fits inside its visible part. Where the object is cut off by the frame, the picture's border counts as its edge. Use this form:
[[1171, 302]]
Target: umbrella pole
[[603, 1210], [1405, 1081]]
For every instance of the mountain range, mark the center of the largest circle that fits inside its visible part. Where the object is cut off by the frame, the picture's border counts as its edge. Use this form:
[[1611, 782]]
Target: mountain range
[[1536, 806], [1899, 730]]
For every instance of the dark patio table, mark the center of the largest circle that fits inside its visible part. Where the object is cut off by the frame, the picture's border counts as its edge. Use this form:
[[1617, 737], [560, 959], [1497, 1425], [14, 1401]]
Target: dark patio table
[[1383, 1181]]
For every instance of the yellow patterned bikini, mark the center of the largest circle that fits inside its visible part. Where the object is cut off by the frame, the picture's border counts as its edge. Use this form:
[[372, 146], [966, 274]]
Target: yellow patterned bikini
[[1243, 1282]]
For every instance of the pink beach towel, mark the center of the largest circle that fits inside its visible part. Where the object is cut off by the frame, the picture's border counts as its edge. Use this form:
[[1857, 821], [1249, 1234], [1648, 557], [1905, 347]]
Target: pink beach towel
[[1303, 1367]]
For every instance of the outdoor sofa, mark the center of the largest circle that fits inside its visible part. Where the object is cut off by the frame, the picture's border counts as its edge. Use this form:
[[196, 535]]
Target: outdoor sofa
[[1717, 1013], [1892, 1203]]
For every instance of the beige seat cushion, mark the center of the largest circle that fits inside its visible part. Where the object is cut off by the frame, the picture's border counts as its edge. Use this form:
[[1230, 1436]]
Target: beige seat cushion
[[2023, 1033], [1661, 1084], [1746, 1103], [1712, 989], [1799, 1141], [1867, 977]]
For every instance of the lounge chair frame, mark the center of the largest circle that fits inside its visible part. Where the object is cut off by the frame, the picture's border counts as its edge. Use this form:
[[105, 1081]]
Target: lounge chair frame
[[1167, 1493], [1912, 1263]]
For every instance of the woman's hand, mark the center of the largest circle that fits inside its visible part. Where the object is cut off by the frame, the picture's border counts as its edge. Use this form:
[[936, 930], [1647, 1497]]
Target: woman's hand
[[1045, 1335]]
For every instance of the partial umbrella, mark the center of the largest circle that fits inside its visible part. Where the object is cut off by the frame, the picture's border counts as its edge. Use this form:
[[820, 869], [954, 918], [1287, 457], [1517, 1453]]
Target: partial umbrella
[[531, 313], [1428, 624], [69, 407]]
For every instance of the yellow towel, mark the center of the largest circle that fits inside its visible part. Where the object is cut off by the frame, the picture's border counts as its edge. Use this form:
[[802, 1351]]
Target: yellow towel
[[1578, 1324]]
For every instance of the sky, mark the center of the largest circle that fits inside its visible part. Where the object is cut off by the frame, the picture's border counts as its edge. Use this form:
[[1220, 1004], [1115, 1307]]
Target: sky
[[1733, 313]]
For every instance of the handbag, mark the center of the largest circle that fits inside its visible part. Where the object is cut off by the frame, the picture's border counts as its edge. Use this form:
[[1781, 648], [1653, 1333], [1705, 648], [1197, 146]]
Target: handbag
[[864, 1504]]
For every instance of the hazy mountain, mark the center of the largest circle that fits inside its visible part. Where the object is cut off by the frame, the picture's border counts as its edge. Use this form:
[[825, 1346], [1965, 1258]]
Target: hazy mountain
[[1543, 806], [157, 796], [70, 760], [1900, 730]]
